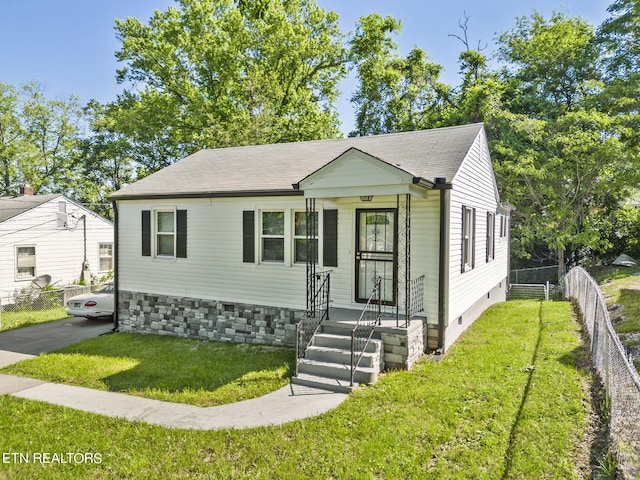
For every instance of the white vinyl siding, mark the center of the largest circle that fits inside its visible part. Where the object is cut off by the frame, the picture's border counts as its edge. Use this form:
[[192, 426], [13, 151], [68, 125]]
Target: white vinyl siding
[[473, 186], [214, 269]]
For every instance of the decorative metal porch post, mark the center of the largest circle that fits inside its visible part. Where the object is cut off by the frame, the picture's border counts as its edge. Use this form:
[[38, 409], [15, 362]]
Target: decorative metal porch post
[[311, 252], [403, 265]]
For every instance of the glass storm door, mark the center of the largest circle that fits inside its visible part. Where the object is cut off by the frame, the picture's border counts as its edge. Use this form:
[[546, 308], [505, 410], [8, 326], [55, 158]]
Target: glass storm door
[[376, 253]]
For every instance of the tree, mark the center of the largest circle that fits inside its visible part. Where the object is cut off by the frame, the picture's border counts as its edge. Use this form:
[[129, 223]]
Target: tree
[[558, 158], [395, 93], [38, 140], [211, 73]]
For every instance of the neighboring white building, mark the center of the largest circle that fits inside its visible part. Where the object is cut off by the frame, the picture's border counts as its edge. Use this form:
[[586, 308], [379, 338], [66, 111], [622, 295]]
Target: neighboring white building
[[45, 235], [214, 246]]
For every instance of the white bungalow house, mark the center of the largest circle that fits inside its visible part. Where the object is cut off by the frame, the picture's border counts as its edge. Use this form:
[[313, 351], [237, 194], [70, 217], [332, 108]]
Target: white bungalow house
[[50, 236], [244, 243]]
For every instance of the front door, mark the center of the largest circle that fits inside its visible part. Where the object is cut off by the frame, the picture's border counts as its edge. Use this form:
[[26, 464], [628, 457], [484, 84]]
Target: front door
[[376, 252]]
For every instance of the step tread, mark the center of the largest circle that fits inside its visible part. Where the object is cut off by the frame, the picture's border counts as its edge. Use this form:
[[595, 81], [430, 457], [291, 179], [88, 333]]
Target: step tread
[[325, 383], [345, 366], [340, 350]]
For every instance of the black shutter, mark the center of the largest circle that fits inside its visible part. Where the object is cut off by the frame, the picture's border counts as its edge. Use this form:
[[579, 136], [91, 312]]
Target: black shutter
[[146, 233], [248, 236], [463, 251], [473, 239], [181, 233], [330, 238]]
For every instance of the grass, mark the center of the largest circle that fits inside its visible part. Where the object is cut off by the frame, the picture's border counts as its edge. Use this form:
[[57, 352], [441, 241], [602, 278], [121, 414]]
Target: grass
[[11, 320], [509, 400], [624, 289], [198, 372]]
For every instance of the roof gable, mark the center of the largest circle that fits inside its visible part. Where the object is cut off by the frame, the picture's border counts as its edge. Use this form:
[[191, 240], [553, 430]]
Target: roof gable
[[12, 207], [355, 173]]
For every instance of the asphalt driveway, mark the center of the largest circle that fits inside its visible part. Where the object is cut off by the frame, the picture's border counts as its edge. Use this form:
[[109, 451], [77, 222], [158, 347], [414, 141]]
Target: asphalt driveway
[[47, 337]]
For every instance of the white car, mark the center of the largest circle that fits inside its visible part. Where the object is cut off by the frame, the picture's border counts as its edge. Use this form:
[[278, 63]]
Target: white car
[[98, 303]]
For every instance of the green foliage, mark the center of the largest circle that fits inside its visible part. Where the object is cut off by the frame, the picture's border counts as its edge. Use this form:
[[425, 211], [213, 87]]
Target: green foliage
[[564, 163], [38, 140], [211, 74], [395, 94]]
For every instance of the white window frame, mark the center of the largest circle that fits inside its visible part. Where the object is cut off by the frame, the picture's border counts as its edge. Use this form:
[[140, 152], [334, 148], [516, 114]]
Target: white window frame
[[491, 234], [504, 226], [468, 238], [285, 234], [157, 233], [19, 277], [62, 215], [295, 237], [101, 256]]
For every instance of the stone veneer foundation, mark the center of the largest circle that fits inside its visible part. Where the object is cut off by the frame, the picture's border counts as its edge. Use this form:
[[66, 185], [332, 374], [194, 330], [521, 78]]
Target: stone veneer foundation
[[245, 323], [206, 319]]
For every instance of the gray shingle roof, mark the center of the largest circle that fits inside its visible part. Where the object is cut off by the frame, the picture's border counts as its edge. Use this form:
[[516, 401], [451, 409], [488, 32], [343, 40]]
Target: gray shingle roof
[[428, 154], [11, 207]]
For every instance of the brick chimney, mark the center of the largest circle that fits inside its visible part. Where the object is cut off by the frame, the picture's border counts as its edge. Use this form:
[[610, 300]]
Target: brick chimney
[[26, 190]]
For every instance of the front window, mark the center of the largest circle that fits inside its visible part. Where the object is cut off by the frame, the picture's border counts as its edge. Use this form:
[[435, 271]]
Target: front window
[[105, 252], [272, 237], [25, 262], [165, 234], [300, 246]]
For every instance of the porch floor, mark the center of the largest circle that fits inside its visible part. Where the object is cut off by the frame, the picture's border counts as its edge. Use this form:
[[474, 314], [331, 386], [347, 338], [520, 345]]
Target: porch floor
[[347, 315]]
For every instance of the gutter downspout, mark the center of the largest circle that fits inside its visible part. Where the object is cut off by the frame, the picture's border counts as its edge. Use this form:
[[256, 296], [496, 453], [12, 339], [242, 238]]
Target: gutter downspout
[[443, 261], [116, 324]]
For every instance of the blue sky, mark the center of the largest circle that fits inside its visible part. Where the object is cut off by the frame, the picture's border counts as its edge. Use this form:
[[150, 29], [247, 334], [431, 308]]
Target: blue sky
[[68, 46]]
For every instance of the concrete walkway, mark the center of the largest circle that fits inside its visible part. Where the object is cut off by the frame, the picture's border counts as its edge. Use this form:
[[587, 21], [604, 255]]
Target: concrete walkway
[[290, 403]]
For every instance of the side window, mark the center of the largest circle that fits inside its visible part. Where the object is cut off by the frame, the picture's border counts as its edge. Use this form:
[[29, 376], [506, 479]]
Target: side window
[[25, 262], [62, 214], [491, 244], [468, 238], [165, 233], [105, 252]]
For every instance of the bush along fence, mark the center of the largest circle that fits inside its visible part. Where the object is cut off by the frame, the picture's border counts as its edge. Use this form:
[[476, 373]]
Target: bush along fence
[[34, 299], [617, 372]]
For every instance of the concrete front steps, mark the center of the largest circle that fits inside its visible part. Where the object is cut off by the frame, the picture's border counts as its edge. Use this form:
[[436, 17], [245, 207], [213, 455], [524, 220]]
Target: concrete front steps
[[327, 364]]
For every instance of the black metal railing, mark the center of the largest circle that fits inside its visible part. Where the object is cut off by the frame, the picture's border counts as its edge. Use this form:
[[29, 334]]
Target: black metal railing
[[361, 333], [416, 297], [310, 324]]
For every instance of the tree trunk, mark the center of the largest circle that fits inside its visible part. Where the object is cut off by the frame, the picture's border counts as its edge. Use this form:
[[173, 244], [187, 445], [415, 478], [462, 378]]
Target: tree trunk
[[560, 254]]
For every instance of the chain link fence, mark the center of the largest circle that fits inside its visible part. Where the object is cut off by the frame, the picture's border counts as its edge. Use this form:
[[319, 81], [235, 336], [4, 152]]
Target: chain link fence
[[34, 299], [617, 372]]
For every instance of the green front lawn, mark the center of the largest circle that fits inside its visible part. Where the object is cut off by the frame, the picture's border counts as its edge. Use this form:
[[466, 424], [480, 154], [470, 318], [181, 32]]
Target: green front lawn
[[198, 372], [510, 400]]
